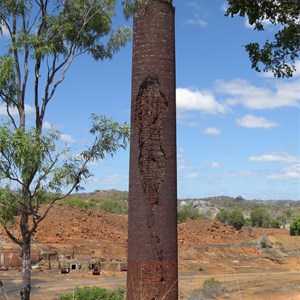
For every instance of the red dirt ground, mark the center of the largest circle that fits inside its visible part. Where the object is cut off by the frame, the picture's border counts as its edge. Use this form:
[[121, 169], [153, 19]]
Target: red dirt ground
[[213, 248]]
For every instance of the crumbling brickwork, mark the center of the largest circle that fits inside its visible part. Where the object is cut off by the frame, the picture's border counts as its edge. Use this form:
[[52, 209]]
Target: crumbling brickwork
[[152, 236]]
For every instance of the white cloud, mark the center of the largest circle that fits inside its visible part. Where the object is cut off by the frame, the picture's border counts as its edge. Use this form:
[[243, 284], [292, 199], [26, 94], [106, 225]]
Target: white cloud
[[186, 123], [212, 131], [251, 121], [198, 100], [243, 173], [224, 7], [183, 167], [198, 12], [297, 66], [266, 23], [197, 20], [275, 157], [241, 91], [14, 112], [3, 110], [67, 138], [214, 165], [292, 172], [113, 180], [47, 125], [296, 73], [192, 175], [4, 30]]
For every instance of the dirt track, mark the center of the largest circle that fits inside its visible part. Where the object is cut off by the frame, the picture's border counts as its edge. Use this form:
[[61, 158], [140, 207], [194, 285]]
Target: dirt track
[[282, 285]]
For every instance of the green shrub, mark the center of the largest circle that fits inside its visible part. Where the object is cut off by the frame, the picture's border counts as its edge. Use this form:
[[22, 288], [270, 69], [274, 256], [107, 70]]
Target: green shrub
[[76, 202], [295, 226], [113, 206], [223, 216], [275, 223], [234, 218], [264, 242], [211, 288], [95, 293], [260, 217], [248, 222], [188, 212], [266, 223]]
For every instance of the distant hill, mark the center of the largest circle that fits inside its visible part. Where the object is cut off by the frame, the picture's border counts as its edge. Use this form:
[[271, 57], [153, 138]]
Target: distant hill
[[208, 207]]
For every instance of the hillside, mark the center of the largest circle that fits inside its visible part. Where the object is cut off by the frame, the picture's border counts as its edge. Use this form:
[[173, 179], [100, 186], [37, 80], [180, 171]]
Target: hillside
[[262, 261]]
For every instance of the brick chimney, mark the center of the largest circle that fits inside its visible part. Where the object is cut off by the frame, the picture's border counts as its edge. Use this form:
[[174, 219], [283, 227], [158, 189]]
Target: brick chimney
[[152, 233]]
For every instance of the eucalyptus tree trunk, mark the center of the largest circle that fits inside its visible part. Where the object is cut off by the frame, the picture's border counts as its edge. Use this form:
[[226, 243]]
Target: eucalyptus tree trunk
[[26, 268], [26, 251], [152, 235]]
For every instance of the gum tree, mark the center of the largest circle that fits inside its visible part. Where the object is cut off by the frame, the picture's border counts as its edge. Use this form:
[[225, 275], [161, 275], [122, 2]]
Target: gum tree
[[278, 55], [43, 39]]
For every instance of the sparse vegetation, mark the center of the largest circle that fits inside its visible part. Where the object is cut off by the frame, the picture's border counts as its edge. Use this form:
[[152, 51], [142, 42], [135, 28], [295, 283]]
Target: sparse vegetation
[[234, 218], [112, 206], [260, 217], [295, 226], [76, 202], [95, 293], [188, 213], [264, 242], [281, 211], [250, 230], [223, 216], [211, 288]]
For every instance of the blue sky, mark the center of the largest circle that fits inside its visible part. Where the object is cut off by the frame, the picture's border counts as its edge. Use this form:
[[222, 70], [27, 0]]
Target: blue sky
[[238, 131]]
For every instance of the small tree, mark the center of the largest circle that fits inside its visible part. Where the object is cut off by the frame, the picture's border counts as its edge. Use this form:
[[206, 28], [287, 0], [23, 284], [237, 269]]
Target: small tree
[[236, 219], [282, 220], [295, 226], [259, 217], [278, 55], [188, 213], [223, 216], [43, 39], [31, 163]]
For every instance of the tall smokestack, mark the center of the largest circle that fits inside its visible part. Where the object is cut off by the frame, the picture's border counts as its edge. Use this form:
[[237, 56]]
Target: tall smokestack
[[152, 233]]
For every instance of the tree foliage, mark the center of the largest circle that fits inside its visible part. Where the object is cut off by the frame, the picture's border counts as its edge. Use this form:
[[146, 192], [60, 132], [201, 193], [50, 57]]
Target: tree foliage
[[43, 39], [30, 161], [188, 212], [223, 216], [234, 218], [260, 217], [295, 226], [279, 54], [95, 293]]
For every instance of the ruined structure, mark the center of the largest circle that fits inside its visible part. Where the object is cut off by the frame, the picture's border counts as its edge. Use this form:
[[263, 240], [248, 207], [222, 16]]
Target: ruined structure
[[152, 235]]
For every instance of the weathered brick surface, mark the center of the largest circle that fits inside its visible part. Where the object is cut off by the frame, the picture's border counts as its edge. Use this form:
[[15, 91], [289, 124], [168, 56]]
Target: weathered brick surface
[[152, 240]]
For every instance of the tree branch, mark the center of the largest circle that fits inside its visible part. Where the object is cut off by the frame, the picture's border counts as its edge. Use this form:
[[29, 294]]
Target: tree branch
[[12, 237]]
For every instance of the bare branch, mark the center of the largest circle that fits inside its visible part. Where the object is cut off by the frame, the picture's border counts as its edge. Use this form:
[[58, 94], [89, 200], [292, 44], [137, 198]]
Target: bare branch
[[75, 184], [12, 237]]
